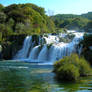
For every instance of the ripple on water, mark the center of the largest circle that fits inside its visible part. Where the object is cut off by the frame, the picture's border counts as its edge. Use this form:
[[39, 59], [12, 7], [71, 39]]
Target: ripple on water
[[19, 77]]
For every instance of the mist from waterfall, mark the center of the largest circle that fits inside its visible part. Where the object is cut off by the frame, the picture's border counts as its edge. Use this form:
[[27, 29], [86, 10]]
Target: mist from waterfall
[[49, 48]]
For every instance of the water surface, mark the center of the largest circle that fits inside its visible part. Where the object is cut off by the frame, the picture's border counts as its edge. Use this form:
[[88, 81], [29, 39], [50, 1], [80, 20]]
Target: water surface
[[31, 77]]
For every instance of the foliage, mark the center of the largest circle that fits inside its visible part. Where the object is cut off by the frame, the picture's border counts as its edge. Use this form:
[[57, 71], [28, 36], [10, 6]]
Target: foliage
[[68, 72], [87, 40], [88, 27], [86, 44], [69, 21], [5, 31], [0, 36], [20, 28], [78, 23], [71, 68], [29, 14], [12, 45], [24, 19], [2, 17], [35, 39], [1, 7], [60, 30], [87, 15]]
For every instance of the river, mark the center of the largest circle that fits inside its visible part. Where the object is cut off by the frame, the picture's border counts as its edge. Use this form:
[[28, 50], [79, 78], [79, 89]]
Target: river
[[32, 77]]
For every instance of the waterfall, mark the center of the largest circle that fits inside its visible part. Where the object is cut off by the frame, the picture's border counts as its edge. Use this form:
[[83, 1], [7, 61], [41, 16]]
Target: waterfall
[[49, 48], [22, 54], [34, 53], [43, 55]]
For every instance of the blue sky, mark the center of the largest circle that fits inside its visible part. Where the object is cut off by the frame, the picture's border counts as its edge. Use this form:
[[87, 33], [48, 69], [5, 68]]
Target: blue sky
[[57, 6]]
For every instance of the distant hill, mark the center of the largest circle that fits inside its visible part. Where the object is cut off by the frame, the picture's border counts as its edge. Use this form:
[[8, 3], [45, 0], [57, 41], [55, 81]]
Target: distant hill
[[65, 16], [87, 15], [70, 21]]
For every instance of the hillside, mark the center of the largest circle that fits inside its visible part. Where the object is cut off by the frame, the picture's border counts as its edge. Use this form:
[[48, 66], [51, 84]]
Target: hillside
[[24, 19], [87, 15], [71, 21]]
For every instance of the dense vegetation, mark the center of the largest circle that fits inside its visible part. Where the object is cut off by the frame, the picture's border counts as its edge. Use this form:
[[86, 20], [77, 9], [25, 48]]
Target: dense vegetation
[[87, 15], [88, 27], [23, 19], [86, 44], [70, 21], [71, 68]]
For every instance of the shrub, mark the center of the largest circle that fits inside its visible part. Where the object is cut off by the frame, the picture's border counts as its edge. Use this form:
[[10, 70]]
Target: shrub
[[69, 72], [71, 68]]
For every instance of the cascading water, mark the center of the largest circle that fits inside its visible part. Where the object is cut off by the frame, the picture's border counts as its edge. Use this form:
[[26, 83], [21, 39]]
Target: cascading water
[[49, 48], [22, 54]]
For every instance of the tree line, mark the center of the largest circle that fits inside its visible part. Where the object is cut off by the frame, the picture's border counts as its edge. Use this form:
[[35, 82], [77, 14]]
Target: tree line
[[71, 21]]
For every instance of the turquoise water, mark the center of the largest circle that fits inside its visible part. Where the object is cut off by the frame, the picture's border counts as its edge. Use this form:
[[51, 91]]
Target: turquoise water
[[29, 77]]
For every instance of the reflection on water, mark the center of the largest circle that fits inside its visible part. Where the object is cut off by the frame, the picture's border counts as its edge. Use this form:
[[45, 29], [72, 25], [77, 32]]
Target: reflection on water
[[26, 77]]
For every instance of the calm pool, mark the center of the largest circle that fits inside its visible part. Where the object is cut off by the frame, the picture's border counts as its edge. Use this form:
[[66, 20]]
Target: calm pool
[[29, 77]]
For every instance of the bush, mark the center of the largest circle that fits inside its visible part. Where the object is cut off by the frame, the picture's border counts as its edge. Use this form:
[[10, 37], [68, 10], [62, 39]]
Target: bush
[[71, 68], [69, 72]]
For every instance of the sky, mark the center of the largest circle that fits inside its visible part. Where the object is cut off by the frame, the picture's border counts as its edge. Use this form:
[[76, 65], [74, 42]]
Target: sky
[[53, 7]]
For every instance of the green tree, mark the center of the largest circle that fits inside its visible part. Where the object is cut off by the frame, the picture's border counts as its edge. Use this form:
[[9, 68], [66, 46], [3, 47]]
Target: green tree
[[5, 31], [19, 28], [88, 27], [2, 17], [1, 7], [11, 22]]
